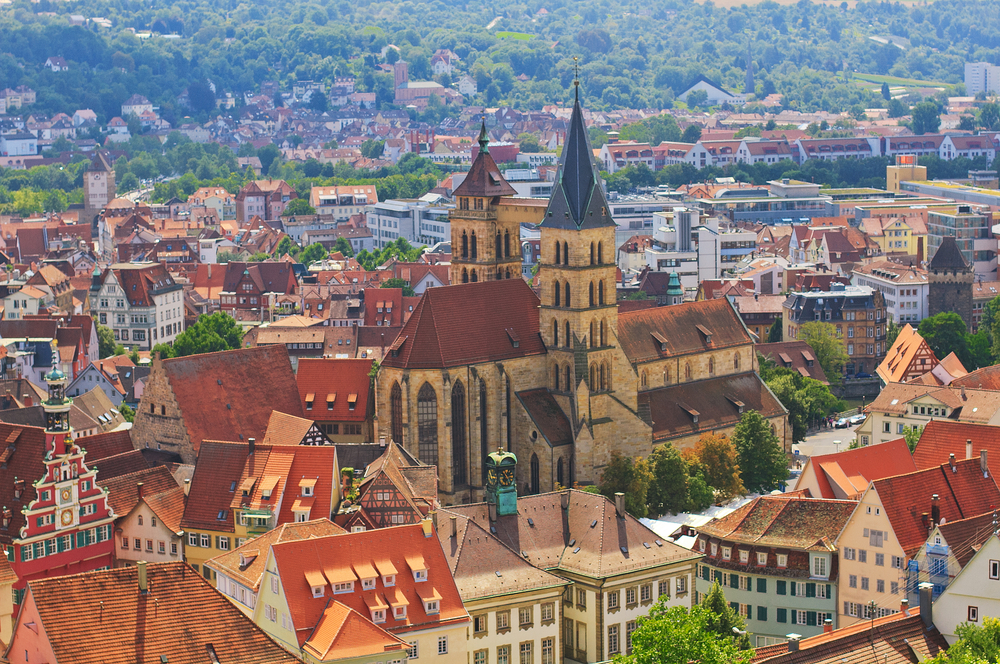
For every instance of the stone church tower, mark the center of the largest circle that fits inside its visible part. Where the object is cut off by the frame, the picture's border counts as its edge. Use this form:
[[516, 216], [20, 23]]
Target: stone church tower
[[950, 279], [485, 240], [98, 189]]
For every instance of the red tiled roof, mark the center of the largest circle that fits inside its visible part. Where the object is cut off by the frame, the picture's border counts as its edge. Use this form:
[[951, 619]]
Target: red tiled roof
[[987, 378], [783, 521], [941, 438], [681, 327], [215, 481], [181, 619], [796, 353], [343, 633], [230, 395], [334, 382], [103, 445], [123, 492], [865, 463], [119, 464], [469, 324], [961, 493]]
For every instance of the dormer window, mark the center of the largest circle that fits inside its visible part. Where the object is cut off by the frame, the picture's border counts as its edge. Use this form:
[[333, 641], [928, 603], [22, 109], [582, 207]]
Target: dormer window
[[419, 575], [368, 584], [307, 486], [432, 607], [389, 580], [744, 556], [346, 587], [378, 615], [399, 612], [352, 401], [727, 553], [715, 549], [318, 591]]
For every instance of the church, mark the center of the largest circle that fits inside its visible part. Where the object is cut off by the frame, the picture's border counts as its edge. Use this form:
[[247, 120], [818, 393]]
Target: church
[[557, 376]]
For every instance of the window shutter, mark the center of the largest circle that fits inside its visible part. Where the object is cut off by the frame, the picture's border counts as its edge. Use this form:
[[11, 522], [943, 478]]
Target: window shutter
[[81, 538], [762, 585], [39, 521], [782, 615], [60, 546], [810, 590], [734, 606], [795, 617], [734, 581], [829, 595], [718, 576], [847, 607], [762, 613], [706, 573], [791, 590], [24, 554], [811, 618], [781, 587]]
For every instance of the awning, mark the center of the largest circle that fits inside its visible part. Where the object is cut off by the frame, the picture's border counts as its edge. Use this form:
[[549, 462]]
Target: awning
[[307, 481], [427, 592], [331, 397], [374, 602], [395, 597], [247, 485], [268, 483], [311, 396]]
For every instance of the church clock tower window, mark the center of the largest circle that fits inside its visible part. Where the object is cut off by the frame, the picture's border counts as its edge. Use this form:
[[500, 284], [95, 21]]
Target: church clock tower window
[[427, 428]]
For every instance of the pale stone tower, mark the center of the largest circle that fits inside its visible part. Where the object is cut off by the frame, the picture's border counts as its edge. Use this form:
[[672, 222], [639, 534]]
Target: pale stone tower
[[98, 188], [485, 245]]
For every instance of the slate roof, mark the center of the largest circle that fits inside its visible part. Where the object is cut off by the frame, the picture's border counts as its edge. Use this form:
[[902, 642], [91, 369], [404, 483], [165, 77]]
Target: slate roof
[[337, 378], [783, 521], [852, 470], [948, 256], [578, 200], [680, 326], [547, 415], [230, 394], [603, 544], [182, 619], [714, 400], [962, 492], [470, 323], [482, 565]]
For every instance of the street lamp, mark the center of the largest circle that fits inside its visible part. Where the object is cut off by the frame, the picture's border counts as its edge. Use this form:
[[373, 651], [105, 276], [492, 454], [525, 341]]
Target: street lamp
[[837, 445]]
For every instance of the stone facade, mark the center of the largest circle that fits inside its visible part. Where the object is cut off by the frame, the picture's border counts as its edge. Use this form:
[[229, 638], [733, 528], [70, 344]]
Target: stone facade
[[159, 424], [951, 291]]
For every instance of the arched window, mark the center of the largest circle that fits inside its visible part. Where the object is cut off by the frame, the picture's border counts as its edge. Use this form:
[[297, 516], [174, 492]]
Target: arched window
[[558, 290], [569, 383], [459, 458], [559, 472], [473, 250], [593, 340], [711, 365], [687, 371], [569, 339], [427, 427], [475, 277], [465, 276], [534, 474], [565, 253], [498, 242], [600, 253], [555, 376], [396, 408], [593, 377], [666, 375], [555, 334], [600, 293], [736, 361], [591, 253], [484, 445], [602, 334], [506, 244], [644, 379], [558, 253], [607, 374], [604, 378], [591, 293], [499, 275], [507, 274], [465, 245], [567, 294]]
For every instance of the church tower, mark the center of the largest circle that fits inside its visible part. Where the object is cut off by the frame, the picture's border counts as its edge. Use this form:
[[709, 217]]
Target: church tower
[[950, 278], [485, 245], [98, 189]]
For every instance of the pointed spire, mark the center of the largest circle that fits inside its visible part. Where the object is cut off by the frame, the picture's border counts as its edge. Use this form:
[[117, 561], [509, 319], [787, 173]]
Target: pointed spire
[[484, 139], [576, 80]]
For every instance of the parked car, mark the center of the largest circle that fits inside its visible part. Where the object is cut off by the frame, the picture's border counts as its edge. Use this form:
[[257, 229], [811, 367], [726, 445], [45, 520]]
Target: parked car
[[842, 423], [857, 419], [863, 375]]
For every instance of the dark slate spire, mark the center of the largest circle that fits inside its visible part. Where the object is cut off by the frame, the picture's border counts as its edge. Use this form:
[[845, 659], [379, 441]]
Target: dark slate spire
[[948, 256], [484, 139], [578, 200]]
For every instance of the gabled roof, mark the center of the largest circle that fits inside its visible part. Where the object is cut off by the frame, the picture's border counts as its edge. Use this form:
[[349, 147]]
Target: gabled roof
[[965, 536], [784, 521], [484, 178], [987, 378], [160, 492], [216, 478], [941, 438], [682, 328], [285, 429], [578, 200], [962, 492], [469, 324], [333, 382], [948, 256], [968, 405], [547, 415], [901, 360], [795, 355], [602, 543], [343, 633], [181, 618], [850, 471]]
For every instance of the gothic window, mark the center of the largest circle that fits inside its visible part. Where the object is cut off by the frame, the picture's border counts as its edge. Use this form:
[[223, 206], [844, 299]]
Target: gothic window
[[555, 334], [593, 377], [591, 253], [736, 361], [475, 277], [569, 339], [427, 428], [607, 375], [506, 244], [687, 371], [465, 245], [602, 334], [600, 253], [473, 250], [483, 442], [567, 294], [604, 378], [396, 407], [507, 274], [557, 302], [565, 253], [593, 341], [555, 375], [465, 276], [711, 365], [600, 293], [499, 275], [458, 439], [569, 383], [666, 375], [479, 204], [498, 248], [558, 254], [591, 293], [534, 473], [559, 472], [644, 379]]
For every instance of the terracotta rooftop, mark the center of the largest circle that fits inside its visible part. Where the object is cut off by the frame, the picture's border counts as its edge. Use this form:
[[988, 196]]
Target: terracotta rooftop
[[810, 524], [340, 388], [180, 619], [847, 474], [285, 429], [941, 438], [686, 328], [796, 355], [974, 406], [902, 362], [343, 633], [123, 493]]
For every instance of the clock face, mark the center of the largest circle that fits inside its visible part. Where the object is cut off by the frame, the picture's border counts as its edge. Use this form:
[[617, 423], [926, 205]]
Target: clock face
[[66, 495], [491, 477], [66, 518], [507, 477]]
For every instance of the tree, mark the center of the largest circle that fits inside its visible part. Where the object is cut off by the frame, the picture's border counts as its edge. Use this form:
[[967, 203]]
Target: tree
[[224, 257], [396, 282], [926, 118], [679, 635], [105, 341], [990, 316], [668, 491], [201, 96], [775, 333], [912, 436], [975, 645], [897, 109], [721, 465], [692, 134], [723, 619], [770, 125], [318, 102], [127, 412], [891, 332], [210, 334], [372, 149], [314, 252], [830, 351], [628, 476], [885, 92], [697, 98], [528, 143], [945, 333], [762, 460], [267, 155], [344, 247], [298, 207]]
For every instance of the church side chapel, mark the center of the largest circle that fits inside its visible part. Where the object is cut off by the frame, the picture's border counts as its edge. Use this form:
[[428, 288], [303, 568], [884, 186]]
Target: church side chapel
[[488, 364]]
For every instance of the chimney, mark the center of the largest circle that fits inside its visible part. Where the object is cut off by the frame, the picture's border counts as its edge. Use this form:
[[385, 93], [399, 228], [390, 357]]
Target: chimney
[[935, 511], [983, 465], [620, 504], [793, 642], [968, 448], [253, 444], [951, 462], [187, 486], [904, 606], [454, 526], [209, 270], [926, 607], [138, 489], [923, 520], [427, 526], [27, 400], [493, 511], [827, 626], [143, 585]]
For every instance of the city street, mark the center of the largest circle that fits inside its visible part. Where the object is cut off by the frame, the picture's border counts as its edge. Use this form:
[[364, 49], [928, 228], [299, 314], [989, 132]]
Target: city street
[[825, 441]]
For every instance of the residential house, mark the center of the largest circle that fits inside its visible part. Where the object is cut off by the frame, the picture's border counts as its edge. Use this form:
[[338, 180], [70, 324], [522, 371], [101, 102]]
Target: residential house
[[909, 357], [342, 202], [846, 474], [217, 199], [105, 375], [759, 312], [266, 199], [893, 234], [982, 293], [796, 355], [338, 394], [140, 302], [148, 507], [879, 544], [949, 548], [974, 593], [136, 105], [395, 489], [56, 63], [238, 573], [25, 302], [396, 579], [905, 288], [149, 605], [253, 286], [101, 411], [214, 396], [942, 439], [777, 559], [284, 429]]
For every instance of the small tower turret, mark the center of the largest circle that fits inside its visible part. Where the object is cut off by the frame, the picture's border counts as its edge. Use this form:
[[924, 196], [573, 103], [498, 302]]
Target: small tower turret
[[501, 485]]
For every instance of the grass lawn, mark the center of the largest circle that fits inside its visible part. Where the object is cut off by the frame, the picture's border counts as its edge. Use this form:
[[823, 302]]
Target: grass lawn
[[903, 82]]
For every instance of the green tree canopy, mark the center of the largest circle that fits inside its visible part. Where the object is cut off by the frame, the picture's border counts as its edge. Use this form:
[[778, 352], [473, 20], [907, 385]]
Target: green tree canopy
[[806, 399], [314, 252], [528, 143], [945, 333], [723, 619], [763, 465], [298, 207], [926, 118], [668, 490], [105, 341], [344, 247], [977, 644], [629, 476], [396, 282], [775, 333], [830, 350], [212, 333], [720, 462]]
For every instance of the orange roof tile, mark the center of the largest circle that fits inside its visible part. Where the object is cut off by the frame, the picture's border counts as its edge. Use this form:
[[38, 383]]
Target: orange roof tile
[[336, 378], [870, 463], [342, 633], [683, 328], [940, 438]]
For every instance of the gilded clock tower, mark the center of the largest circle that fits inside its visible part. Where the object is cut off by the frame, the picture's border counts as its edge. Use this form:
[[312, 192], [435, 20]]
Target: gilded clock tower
[[501, 484]]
